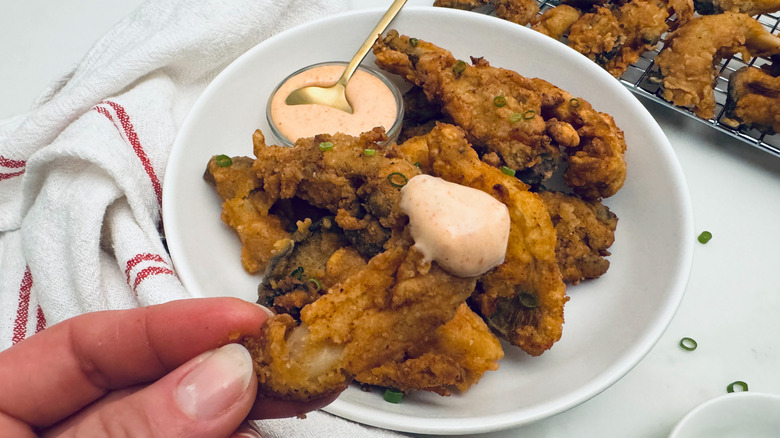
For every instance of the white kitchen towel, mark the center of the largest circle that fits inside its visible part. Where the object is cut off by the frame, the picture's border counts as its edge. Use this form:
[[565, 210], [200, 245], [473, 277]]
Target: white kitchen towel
[[81, 172]]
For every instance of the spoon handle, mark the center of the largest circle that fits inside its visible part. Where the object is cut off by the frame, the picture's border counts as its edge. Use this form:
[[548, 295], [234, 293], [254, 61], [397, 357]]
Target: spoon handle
[[363, 50]]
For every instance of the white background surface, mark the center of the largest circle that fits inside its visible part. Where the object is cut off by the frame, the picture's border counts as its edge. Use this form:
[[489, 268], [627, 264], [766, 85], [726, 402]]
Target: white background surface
[[732, 301]]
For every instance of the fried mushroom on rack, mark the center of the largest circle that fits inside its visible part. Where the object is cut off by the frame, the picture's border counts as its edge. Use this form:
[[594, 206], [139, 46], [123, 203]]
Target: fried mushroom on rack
[[753, 100]]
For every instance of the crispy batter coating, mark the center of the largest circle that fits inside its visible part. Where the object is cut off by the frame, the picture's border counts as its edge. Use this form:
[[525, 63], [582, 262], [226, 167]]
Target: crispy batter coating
[[749, 7], [584, 231], [246, 210], [515, 129], [459, 354], [530, 267], [392, 306], [753, 100], [516, 11], [556, 22], [687, 61]]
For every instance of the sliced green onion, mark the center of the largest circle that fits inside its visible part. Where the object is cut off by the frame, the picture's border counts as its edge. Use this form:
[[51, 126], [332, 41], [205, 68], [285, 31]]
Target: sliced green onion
[[499, 101], [393, 396], [742, 386], [297, 273], [574, 102], [459, 67], [705, 237], [223, 161], [529, 300], [688, 344], [515, 117], [369, 152], [417, 163], [528, 115], [326, 146], [397, 179], [413, 42], [316, 283], [508, 170]]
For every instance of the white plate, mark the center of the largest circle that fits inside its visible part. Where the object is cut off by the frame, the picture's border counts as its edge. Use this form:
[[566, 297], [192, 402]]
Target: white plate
[[611, 323], [743, 414]]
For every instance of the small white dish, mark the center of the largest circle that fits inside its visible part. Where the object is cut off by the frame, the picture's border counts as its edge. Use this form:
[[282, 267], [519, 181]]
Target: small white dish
[[736, 415], [611, 322]]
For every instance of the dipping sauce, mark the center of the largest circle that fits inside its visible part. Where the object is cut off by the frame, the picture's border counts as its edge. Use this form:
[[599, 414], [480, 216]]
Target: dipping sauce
[[373, 101], [464, 230]]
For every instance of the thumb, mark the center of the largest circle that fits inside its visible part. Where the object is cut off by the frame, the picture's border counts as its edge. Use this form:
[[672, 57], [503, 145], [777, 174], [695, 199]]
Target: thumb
[[209, 396]]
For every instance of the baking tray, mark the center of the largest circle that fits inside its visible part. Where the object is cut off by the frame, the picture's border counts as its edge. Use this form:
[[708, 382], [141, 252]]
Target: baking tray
[[640, 79]]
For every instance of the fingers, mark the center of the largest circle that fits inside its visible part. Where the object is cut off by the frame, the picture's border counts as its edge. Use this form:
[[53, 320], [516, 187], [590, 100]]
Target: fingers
[[206, 397], [68, 366]]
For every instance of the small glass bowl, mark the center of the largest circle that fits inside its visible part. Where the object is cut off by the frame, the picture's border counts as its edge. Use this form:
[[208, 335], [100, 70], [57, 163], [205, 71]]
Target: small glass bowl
[[392, 132]]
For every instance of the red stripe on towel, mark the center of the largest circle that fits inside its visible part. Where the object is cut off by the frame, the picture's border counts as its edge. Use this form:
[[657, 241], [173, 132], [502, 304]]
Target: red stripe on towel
[[23, 311], [132, 137], [41, 321], [148, 272], [11, 164], [10, 175], [145, 257]]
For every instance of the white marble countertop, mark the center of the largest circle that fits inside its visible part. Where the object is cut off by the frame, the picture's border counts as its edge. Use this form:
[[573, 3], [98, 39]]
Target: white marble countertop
[[732, 301]]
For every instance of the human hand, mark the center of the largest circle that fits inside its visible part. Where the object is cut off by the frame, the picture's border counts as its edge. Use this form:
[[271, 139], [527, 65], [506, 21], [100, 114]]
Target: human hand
[[168, 370]]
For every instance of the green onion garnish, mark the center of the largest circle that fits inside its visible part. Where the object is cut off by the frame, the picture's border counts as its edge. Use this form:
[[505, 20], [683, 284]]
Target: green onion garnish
[[499, 101], [459, 67], [742, 385], [529, 300], [688, 344], [574, 102], [316, 283], [393, 396], [413, 42], [515, 117], [417, 163], [369, 152], [223, 161], [297, 273], [326, 146], [508, 170], [397, 179], [705, 237], [528, 115]]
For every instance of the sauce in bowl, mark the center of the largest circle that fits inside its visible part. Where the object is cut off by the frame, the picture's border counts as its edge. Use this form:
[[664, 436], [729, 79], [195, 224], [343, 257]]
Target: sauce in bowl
[[375, 102]]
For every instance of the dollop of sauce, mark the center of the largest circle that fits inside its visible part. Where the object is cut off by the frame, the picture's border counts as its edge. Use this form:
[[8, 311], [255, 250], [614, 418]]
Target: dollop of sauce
[[373, 104], [464, 230]]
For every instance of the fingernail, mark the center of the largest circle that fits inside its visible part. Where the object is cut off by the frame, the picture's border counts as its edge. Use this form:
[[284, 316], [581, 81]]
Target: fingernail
[[266, 310], [216, 383]]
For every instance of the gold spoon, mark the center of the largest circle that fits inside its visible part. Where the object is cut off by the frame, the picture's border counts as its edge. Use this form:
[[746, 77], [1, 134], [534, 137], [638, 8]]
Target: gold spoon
[[335, 95]]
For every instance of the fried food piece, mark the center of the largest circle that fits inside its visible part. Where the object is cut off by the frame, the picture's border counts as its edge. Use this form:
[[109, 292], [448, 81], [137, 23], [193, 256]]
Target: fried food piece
[[459, 354], [615, 37], [530, 270], [687, 61], [516, 11], [355, 188], [392, 306], [753, 100], [749, 7], [597, 166], [584, 232], [246, 210], [466, 94], [517, 129], [556, 22]]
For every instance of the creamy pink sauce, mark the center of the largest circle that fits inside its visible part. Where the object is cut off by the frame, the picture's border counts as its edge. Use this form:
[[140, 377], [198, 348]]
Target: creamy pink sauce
[[373, 105], [464, 230]]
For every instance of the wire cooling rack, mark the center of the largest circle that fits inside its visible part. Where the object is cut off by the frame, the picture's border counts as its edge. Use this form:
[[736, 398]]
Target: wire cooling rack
[[641, 76]]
